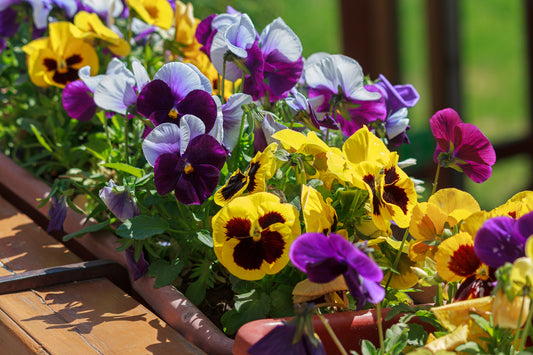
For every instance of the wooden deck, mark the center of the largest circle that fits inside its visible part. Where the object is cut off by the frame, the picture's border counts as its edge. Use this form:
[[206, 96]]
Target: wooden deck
[[81, 317]]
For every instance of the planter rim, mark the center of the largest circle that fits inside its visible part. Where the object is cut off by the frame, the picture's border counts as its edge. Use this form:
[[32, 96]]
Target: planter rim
[[168, 302]]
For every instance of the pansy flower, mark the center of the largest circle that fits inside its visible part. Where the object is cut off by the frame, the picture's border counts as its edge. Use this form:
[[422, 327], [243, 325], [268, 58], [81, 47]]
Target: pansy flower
[[252, 235], [93, 29], [456, 260], [119, 201], [185, 160], [55, 60], [252, 180], [154, 12], [392, 193], [318, 215], [108, 10], [502, 239], [434, 220], [178, 89], [339, 81], [323, 258], [461, 146], [57, 214]]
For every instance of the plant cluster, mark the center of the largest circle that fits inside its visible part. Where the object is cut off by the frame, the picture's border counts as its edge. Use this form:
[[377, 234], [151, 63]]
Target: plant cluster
[[221, 158]]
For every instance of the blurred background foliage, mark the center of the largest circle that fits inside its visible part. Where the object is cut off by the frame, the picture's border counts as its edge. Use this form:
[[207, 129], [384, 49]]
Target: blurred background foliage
[[493, 70]]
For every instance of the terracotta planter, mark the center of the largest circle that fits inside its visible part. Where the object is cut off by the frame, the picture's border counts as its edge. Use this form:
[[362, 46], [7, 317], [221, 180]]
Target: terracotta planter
[[23, 190], [350, 327]]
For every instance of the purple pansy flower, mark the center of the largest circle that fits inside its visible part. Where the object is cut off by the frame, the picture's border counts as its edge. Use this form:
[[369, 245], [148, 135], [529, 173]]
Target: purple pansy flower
[[119, 201], [178, 89], [294, 337], [503, 239], [137, 267], [280, 65], [461, 146], [233, 118], [185, 159], [339, 81], [8, 22], [324, 258], [57, 214]]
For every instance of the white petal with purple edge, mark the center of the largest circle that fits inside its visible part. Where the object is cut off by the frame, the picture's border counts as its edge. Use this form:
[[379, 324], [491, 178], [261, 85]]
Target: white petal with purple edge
[[219, 47], [115, 93], [180, 78], [232, 117], [278, 36], [218, 128], [206, 83], [165, 138], [140, 74], [191, 127]]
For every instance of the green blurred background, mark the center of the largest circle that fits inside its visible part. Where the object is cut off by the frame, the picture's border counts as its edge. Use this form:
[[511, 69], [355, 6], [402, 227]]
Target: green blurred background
[[493, 66]]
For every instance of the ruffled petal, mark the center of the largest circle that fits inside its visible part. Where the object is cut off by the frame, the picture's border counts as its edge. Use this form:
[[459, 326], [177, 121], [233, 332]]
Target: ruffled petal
[[78, 101], [163, 139]]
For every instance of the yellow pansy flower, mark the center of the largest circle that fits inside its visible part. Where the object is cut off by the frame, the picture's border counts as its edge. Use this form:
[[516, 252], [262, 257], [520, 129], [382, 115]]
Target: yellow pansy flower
[[93, 28], [154, 12], [252, 235], [446, 207], [55, 60], [319, 215], [363, 146]]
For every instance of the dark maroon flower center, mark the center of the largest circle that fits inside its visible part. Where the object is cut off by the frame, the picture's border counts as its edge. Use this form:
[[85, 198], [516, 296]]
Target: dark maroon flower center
[[464, 261], [63, 71]]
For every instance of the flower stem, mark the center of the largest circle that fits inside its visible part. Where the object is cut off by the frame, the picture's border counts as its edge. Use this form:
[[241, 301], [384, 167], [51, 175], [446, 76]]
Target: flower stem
[[436, 180], [516, 335], [525, 331], [332, 334], [126, 139], [397, 258], [380, 327]]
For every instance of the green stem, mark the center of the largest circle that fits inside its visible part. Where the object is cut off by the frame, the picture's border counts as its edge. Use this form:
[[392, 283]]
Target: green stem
[[380, 327], [126, 138], [519, 325], [525, 331], [438, 301], [397, 258], [436, 180], [332, 334]]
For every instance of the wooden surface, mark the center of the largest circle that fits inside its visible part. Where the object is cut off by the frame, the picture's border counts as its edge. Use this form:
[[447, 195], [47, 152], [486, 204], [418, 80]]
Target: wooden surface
[[85, 317]]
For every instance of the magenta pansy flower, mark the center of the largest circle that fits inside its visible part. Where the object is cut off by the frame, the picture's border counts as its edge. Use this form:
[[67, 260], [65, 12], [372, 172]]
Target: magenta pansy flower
[[461, 146]]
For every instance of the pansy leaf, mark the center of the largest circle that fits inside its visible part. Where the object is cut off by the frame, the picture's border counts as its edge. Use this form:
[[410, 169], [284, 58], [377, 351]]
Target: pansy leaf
[[164, 272], [88, 229], [367, 348], [142, 227], [125, 168], [248, 307], [205, 237], [40, 138]]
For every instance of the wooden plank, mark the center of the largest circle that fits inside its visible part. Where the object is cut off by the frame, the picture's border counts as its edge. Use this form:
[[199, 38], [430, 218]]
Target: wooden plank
[[14, 338]]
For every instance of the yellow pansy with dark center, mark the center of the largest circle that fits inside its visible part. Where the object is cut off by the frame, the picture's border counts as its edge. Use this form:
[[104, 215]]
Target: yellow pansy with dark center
[[252, 180], [153, 12], [252, 235], [392, 192], [55, 60]]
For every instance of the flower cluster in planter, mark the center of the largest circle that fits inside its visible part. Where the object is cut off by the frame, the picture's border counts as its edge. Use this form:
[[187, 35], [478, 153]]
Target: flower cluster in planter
[[222, 158]]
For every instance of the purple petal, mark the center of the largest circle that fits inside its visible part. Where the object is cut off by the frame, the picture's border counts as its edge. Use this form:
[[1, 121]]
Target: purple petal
[[180, 78], [310, 248], [204, 34], [205, 149], [254, 83], [78, 101], [495, 243], [137, 268], [120, 203], [472, 146], [358, 260], [167, 172], [326, 270], [8, 23], [57, 214], [200, 104], [233, 116], [523, 228], [398, 96], [374, 291], [478, 173], [198, 186], [280, 340], [155, 96], [283, 76]]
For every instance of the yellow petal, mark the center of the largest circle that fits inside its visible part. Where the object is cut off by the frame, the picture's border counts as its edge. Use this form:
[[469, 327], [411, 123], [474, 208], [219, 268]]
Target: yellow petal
[[446, 252], [153, 12], [363, 145], [508, 314], [318, 215]]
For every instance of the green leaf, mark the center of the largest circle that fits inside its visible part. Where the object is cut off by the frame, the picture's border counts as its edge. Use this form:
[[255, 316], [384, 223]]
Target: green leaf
[[88, 229], [470, 348], [142, 227], [40, 138], [99, 146], [248, 307], [417, 335], [164, 272], [196, 292], [125, 168], [367, 348]]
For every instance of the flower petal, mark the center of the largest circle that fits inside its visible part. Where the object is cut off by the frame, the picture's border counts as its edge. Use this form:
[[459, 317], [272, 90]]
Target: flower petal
[[165, 138]]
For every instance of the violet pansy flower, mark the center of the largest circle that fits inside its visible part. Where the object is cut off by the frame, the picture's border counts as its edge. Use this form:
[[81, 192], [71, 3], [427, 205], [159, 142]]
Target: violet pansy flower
[[185, 159], [502, 239], [178, 89], [461, 146], [324, 258], [57, 214], [339, 81], [119, 201]]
